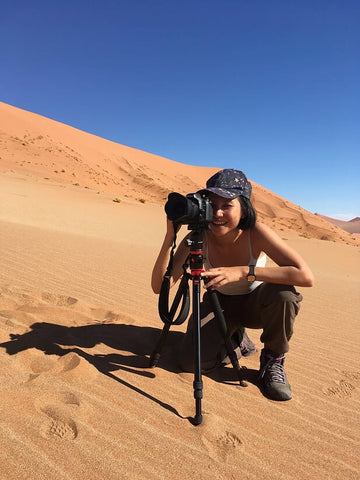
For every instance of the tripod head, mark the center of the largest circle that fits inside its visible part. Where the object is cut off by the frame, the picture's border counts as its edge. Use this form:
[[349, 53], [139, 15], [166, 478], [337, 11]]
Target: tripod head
[[196, 255]]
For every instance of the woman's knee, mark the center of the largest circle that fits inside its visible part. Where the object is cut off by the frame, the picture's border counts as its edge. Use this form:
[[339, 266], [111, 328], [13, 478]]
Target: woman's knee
[[273, 292]]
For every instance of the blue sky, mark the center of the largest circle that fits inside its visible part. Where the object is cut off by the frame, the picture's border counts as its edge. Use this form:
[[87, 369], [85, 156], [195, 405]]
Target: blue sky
[[270, 87]]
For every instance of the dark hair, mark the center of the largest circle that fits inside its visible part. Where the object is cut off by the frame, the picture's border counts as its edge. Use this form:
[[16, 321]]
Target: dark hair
[[249, 215]]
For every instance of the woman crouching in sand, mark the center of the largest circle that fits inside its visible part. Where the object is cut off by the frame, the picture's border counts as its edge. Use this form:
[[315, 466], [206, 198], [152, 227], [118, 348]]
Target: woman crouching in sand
[[251, 294]]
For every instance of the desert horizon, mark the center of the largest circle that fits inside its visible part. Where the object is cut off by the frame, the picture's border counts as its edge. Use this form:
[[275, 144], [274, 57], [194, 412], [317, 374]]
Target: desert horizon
[[82, 221]]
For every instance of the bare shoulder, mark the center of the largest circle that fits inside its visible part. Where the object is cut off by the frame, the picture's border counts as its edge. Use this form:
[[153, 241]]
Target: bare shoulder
[[262, 234], [268, 241]]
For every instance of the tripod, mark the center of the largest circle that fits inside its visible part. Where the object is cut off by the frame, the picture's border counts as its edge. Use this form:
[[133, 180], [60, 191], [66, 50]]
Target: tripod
[[195, 261]]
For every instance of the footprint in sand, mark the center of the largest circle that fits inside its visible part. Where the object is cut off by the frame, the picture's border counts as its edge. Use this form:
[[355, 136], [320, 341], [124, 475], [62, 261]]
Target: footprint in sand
[[223, 447], [42, 364], [229, 440], [6, 319], [69, 398], [354, 376], [69, 362], [66, 363], [343, 388], [101, 315], [58, 300], [221, 443], [76, 368], [58, 423], [61, 398]]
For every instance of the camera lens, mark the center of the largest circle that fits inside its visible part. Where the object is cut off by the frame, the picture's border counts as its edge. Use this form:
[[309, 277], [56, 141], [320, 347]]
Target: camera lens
[[175, 207], [194, 210]]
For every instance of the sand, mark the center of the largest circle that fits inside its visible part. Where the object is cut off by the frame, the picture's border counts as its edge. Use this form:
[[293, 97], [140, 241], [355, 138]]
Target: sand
[[78, 321]]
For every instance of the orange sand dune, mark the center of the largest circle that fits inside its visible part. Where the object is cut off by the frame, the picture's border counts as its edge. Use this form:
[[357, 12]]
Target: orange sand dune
[[78, 322], [35, 145]]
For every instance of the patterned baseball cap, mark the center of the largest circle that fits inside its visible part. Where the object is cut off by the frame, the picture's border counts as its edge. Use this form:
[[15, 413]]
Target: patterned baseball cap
[[228, 183]]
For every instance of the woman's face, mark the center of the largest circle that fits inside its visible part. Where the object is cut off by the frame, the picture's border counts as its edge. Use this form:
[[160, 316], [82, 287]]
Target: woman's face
[[226, 214]]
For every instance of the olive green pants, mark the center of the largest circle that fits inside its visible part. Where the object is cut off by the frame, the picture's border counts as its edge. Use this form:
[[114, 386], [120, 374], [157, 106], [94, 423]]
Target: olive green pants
[[270, 307]]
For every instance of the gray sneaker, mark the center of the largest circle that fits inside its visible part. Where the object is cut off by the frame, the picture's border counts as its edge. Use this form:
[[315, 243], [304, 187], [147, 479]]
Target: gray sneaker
[[272, 374], [243, 346], [247, 346]]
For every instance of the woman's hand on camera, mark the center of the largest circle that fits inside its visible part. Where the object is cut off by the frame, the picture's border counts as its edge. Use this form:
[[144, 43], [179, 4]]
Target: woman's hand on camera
[[218, 277]]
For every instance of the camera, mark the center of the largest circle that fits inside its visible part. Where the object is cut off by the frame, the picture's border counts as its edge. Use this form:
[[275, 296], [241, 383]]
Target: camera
[[193, 209]]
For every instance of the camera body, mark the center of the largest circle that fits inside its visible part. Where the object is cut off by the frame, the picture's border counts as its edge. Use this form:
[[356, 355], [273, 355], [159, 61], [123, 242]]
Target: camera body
[[194, 210]]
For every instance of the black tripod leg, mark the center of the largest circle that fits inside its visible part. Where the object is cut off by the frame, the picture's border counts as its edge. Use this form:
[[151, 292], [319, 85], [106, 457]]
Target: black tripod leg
[[155, 356], [225, 333], [182, 293], [198, 384]]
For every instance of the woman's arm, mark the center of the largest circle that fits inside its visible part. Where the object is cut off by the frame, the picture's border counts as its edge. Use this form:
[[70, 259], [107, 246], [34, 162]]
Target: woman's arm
[[291, 268], [162, 260]]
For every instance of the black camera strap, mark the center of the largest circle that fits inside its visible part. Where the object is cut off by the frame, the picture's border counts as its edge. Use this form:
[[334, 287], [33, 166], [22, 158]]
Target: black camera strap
[[167, 314]]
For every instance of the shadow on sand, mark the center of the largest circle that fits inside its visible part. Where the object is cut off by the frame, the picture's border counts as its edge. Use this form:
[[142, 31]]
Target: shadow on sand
[[54, 339]]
